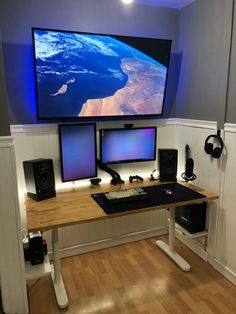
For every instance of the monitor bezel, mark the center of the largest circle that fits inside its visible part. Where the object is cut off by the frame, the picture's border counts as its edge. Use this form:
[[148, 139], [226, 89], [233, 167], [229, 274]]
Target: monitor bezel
[[63, 125], [127, 160], [103, 117]]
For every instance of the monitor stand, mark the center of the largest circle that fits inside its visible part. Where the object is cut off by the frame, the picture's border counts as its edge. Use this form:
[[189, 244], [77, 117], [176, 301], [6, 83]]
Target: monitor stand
[[116, 179]]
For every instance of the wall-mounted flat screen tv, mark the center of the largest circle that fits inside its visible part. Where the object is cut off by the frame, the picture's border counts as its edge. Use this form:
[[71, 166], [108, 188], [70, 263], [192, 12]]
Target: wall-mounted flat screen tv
[[127, 145], [84, 75]]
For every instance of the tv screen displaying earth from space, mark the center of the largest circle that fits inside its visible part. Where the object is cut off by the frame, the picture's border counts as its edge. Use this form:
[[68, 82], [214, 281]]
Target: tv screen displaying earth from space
[[91, 75]]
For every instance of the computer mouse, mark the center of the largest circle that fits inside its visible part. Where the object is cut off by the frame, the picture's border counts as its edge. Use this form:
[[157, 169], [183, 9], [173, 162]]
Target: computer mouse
[[167, 191]]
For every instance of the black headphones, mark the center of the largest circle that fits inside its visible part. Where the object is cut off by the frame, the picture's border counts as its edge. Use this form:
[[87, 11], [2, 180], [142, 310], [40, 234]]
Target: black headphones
[[209, 148]]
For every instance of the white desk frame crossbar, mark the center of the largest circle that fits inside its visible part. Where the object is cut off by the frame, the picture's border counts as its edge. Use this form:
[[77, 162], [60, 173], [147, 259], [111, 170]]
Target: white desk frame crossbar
[[58, 284], [170, 249]]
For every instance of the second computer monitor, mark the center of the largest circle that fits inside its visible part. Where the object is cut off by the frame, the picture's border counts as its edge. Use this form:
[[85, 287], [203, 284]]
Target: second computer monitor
[[77, 151], [127, 145]]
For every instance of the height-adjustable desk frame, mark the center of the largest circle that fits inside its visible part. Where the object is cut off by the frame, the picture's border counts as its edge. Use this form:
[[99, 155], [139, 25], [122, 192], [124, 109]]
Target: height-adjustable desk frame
[[76, 206], [169, 249]]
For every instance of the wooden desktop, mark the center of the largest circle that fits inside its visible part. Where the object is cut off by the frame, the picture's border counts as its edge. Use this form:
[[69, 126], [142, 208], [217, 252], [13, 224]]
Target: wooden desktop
[[75, 206]]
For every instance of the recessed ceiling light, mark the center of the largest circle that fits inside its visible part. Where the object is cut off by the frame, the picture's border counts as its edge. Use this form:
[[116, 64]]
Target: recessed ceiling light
[[127, 1]]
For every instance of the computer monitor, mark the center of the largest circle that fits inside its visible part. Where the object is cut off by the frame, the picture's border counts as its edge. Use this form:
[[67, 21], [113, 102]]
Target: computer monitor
[[127, 145], [77, 151]]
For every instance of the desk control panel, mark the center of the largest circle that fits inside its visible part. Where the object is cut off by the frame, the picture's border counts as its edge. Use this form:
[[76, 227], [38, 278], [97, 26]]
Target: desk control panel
[[126, 195]]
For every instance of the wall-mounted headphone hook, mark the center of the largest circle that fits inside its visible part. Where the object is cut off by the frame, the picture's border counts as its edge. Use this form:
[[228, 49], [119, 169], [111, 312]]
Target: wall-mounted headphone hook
[[210, 148]]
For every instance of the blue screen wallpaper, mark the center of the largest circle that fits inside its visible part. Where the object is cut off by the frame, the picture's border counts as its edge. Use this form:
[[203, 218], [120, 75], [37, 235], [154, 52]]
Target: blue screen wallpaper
[[78, 151], [88, 75], [120, 145]]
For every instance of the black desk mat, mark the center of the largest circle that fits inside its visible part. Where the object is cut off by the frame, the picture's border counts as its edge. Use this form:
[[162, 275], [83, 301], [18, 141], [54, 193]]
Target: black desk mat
[[157, 197]]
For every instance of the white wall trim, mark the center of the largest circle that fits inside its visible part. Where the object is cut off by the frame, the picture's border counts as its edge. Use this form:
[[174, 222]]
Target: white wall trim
[[109, 242], [38, 128], [6, 141], [230, 127], [33, 128], [170, 121], [197, 123], [224, 270]]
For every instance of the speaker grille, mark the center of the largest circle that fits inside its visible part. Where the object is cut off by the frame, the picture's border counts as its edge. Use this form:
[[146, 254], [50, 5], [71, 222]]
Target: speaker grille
[[44, 181]]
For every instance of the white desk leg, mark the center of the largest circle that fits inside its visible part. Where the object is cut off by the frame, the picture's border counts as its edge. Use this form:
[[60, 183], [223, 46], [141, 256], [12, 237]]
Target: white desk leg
[[58, 284], [169, 249]]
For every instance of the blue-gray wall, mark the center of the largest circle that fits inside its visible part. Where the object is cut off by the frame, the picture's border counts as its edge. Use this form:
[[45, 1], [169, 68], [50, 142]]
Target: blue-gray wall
[[103, 16], [201, 34], [231, 104], [204, 44]]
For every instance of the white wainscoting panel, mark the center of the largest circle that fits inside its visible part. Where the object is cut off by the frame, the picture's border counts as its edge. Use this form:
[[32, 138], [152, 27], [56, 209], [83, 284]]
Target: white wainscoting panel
[[12, 270], [226, 235], [206, 168]]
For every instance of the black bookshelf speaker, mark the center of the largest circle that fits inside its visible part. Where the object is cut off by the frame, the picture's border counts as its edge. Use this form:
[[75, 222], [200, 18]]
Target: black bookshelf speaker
[[167, 162], [39, 178]]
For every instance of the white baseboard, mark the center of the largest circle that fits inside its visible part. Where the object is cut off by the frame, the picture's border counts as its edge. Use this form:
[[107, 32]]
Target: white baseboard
[[224, 270], [110, 242]]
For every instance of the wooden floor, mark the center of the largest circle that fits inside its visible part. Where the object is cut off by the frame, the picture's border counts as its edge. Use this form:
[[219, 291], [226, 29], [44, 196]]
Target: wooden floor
[[135, 278]]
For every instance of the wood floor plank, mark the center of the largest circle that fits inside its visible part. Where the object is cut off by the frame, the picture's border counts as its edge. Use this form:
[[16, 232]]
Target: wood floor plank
[[135, 278]]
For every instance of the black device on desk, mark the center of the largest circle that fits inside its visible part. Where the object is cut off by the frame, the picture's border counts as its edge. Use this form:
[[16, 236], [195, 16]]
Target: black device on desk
[[167, 162], [188, 175], [132, 178], [39, 178]]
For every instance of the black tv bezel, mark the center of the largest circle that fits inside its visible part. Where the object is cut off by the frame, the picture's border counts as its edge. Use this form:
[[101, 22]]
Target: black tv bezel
[[60, 126], [105, 117], [127, 160]]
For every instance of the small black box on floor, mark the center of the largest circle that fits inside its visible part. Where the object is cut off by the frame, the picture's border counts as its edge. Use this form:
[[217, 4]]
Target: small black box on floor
[[191, 217], [39, 178]]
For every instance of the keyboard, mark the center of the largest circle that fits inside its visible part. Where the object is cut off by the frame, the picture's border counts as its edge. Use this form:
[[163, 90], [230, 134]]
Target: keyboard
[[126, 195]]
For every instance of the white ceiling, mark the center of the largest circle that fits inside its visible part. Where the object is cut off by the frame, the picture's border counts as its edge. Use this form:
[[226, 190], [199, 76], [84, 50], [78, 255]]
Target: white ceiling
[[176, 4]]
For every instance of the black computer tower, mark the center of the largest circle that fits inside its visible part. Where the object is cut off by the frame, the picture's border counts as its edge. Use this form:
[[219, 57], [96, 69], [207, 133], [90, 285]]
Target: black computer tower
[[192, 217]]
